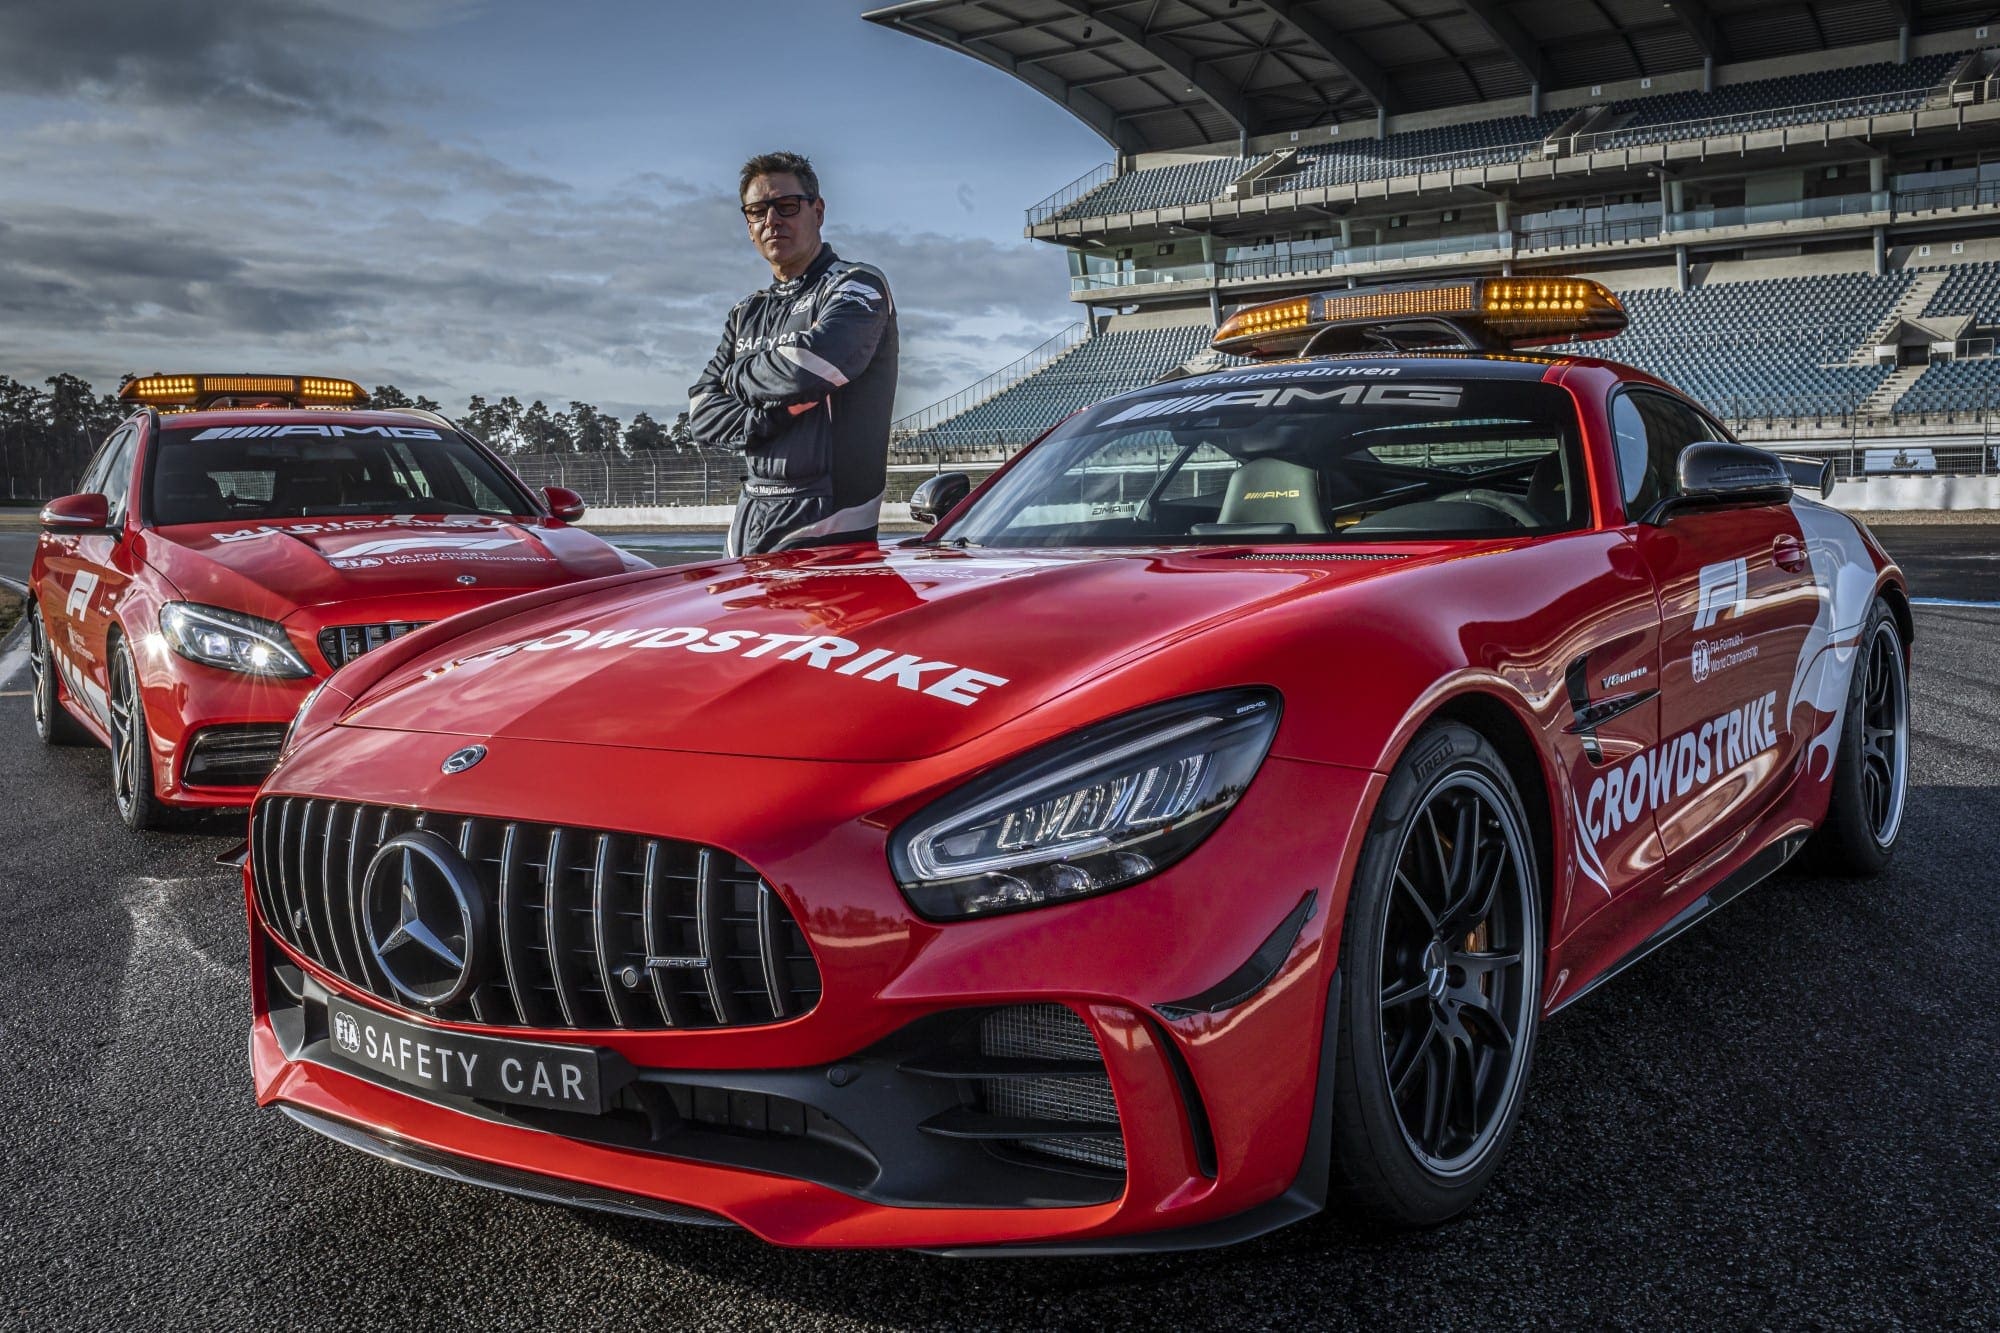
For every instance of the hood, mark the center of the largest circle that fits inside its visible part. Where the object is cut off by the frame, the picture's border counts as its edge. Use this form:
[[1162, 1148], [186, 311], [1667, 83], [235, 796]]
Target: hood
[[274, 567], [857, 655]]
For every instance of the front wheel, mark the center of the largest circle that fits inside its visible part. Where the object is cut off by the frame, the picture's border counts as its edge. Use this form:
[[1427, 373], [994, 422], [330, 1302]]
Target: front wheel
[[53, 724], [131, 748], [1441, 966]]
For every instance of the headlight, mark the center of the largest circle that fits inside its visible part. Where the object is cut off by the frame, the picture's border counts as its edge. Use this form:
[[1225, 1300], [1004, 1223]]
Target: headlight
[[230, 640], [1096, 811]]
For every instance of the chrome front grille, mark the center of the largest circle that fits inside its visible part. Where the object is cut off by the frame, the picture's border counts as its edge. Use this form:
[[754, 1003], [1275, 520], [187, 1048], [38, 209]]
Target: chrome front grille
[[341, 644], [593, 929]]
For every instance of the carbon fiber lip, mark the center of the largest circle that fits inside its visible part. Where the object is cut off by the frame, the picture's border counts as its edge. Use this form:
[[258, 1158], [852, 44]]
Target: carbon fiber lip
[[508, 1180]]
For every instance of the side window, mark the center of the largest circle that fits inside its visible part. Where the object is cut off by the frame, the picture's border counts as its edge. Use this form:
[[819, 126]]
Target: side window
[[92, 480], [1636, 481], [1652, 429], [481, 492], [117, 480]]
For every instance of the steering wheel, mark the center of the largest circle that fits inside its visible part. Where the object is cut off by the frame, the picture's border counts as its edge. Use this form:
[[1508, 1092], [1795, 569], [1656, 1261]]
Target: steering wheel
[[1511, 505]]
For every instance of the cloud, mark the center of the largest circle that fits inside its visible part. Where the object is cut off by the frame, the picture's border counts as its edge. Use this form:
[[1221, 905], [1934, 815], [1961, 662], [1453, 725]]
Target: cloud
[[624, 292], [238, 58], [146, 223]]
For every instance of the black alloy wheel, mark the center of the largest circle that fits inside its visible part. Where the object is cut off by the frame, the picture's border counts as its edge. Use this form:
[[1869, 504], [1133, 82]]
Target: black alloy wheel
[[53, 724], [1441, 969], [1456, 967], [131, 758], [1885, 734], [1871, 758]]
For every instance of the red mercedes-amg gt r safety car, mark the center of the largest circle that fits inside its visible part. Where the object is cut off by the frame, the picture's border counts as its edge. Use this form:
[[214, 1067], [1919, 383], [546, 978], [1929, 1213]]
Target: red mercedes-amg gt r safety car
[[219, 562], [1188, 834]]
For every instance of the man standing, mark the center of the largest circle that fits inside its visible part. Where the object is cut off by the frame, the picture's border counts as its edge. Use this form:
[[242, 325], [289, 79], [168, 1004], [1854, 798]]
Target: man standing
[[804, 379]]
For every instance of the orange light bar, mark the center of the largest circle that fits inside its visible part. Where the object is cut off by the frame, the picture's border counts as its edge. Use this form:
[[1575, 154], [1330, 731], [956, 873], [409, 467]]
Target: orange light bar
[[1259, 323], [1487, 314], [247, 384], [194, 391], [323, 388], [1335, 307], [159, 388]]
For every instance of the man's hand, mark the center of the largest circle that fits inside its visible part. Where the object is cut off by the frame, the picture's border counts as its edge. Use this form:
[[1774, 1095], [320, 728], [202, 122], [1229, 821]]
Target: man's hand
[[800, 409]]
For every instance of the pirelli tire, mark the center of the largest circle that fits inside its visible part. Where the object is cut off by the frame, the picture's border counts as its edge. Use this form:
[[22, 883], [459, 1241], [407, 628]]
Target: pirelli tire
[[1441, 967], [132, 748], [53, 724], [1871, 775]]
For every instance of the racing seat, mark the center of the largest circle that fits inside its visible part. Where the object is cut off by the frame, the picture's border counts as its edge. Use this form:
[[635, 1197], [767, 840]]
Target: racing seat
[[1548, 490], [1267, 497]]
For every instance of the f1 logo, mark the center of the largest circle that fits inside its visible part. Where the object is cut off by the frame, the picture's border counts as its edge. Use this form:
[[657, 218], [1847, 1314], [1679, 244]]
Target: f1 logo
[[79, 595], [1725, 589]]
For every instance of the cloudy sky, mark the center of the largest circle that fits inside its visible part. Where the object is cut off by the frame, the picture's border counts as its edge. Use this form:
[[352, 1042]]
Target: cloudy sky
[[513, 197]]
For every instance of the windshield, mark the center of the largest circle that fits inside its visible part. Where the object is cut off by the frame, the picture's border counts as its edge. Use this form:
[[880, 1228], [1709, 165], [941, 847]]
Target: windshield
[[221, 474], [1302, 455]]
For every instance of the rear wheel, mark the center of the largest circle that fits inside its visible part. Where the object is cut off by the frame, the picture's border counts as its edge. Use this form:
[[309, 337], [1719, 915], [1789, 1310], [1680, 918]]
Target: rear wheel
[[1441, 966], [1871, 777], [53, 724], [131, 748]]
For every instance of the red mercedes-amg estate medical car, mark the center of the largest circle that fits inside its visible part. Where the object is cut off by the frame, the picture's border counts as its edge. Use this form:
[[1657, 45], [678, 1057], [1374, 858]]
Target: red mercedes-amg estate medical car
[[218, 562], [1189, 833]]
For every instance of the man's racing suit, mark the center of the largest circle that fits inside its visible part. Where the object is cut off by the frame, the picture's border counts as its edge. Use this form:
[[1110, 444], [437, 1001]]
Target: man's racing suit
[[803, 384]]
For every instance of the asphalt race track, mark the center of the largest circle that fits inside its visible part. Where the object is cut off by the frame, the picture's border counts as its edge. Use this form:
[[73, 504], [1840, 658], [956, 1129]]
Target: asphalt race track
[[1789, 1118]]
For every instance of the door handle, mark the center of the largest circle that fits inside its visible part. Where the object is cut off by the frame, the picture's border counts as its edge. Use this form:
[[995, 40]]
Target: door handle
[[1789, 554]]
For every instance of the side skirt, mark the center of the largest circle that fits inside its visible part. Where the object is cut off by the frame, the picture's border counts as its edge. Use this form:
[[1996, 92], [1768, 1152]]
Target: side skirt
[[1751, 873]]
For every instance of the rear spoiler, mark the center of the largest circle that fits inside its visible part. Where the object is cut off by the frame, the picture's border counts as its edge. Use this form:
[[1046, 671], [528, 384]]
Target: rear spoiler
[[1810, 474]]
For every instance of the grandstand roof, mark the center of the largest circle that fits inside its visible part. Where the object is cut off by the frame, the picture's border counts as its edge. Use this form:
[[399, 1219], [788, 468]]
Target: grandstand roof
[[1160, 74]]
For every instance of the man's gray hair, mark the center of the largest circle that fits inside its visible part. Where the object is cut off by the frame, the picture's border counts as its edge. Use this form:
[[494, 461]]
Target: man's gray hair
[[778, 164]]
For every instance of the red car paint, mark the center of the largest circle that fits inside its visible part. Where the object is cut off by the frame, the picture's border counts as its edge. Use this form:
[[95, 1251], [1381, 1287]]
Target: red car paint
[[96, 586], [612, 708]]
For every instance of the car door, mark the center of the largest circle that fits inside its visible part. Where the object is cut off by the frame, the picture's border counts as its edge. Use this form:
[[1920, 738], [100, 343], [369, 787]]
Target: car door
[[1611, 719], [1737, 601], [68, 578], [89, 574]]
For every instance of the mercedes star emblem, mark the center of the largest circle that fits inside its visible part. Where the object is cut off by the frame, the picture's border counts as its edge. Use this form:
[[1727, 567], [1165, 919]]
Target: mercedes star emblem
[[425, 918], [460, 760]]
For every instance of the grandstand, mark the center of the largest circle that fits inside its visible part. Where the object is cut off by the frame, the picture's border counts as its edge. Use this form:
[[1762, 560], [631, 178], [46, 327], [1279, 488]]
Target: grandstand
[[1879, 89], [1087, 372], [1800, 205]]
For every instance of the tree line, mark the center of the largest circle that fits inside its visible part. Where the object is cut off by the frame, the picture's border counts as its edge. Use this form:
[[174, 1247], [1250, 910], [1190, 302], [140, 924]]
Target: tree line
[[53, 430]]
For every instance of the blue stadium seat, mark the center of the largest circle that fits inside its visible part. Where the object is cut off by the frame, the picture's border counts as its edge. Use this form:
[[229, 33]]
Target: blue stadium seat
[[1763, 104], [1776, 346], [1954, 386], [1091, 371], [1774, 103]]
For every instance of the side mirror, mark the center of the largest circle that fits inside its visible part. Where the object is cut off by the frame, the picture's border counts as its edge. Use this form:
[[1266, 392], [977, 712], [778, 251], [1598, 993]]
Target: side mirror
[[77, 513], [938, 496], [1810, 474], [564, 503], [1715, 474]]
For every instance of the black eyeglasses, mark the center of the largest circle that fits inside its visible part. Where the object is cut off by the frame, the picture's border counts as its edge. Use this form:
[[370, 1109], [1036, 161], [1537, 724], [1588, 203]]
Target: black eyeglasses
[[787, 206]]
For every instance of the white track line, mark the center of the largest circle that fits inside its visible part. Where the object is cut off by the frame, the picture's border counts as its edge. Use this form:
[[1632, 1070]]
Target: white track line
[[16, 657]]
